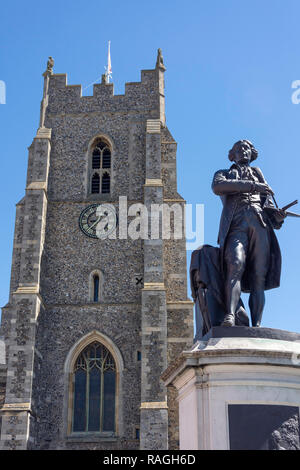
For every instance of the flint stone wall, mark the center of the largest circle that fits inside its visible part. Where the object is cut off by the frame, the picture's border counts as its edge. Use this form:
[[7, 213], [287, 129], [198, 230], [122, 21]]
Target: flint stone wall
[[68, 257]]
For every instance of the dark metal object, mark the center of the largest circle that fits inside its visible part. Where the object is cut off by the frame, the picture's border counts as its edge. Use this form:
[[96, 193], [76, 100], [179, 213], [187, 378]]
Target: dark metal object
[[290, 205], [250, 254], [249, 257], [263, 427], [207, 288], [282, 212], [245, 234], [292, 214]]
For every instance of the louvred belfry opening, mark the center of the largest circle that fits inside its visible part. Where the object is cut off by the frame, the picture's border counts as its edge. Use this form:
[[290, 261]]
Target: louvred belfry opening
[[101, 161]]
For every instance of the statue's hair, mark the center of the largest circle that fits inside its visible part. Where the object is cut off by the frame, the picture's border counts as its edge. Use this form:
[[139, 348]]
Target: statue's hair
[[254, 152]]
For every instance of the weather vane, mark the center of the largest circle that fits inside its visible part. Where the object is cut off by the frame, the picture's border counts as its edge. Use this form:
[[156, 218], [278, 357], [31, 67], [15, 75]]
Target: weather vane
[[108, 70]]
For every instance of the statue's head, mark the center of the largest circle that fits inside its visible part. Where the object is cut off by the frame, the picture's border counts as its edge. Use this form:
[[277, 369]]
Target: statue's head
[[243, 151]]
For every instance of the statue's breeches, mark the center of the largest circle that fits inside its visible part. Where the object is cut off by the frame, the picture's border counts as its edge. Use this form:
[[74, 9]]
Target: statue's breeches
[[247, 248]]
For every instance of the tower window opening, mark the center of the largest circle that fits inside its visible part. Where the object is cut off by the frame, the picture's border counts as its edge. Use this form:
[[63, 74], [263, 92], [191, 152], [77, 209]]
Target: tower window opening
[[100, 161], [95, 183], [106, 158], [96, 288], [105, 183], [96, 159]]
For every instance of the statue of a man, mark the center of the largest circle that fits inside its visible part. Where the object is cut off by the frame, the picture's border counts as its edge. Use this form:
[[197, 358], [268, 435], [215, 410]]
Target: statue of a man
[[250, 253]]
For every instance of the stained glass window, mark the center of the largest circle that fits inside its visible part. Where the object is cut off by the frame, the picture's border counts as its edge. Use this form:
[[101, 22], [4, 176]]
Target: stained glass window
[[94, 383]]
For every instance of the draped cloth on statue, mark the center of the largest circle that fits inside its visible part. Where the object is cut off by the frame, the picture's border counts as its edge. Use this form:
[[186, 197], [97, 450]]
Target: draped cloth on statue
[[207, 286]]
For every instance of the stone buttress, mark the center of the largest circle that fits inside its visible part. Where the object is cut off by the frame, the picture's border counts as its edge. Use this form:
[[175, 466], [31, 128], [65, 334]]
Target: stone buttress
[[22, 312]]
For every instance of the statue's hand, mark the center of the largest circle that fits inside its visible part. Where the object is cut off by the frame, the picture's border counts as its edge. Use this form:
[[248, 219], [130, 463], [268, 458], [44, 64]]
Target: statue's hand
[[263, 188], [280, 215], [276, 217]]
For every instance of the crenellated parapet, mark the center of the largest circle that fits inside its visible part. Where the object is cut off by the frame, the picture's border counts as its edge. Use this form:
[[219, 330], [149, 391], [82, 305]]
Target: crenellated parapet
[[143, 96]]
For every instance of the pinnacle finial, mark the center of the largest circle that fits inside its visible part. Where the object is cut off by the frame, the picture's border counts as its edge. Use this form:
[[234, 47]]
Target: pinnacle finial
[[160, 60], [50, 64]]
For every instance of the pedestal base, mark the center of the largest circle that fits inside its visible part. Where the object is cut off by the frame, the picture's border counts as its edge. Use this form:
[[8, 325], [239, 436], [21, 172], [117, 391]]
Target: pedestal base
[[239, 392]]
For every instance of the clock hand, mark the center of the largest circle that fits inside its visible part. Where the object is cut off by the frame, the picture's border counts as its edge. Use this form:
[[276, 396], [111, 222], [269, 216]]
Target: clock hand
[[98, 220]]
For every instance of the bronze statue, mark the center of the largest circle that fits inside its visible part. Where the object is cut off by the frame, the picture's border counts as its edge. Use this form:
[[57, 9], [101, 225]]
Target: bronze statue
[[250, 254], [249, 258]]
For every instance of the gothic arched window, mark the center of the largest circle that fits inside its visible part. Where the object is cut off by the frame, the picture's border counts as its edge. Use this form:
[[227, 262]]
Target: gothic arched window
[[94, 385], [101, 162]]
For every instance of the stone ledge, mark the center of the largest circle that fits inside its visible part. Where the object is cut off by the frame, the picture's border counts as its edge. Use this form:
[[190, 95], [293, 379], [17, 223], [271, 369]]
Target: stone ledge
[[153, 126], [246, 349], [153, 182], [157, 405], [37, 185], [43, 133], [27, 290], [84, 437], [250, 332], [154, 286], [15, 407], [92, 305]]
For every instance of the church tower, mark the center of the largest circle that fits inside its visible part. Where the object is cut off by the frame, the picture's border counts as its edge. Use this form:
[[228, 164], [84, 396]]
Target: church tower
[[98, 306]]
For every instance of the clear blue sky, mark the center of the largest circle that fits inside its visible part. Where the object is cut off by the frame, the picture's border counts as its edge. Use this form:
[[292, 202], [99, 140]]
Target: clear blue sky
[[230, 66]]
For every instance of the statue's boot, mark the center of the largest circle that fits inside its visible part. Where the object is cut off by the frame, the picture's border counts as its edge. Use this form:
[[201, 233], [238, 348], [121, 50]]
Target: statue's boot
[[256, 320], [256, 304], [229, 320]]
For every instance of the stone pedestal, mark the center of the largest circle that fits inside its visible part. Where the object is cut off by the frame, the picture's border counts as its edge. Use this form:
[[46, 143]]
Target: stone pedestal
[[239, 388]]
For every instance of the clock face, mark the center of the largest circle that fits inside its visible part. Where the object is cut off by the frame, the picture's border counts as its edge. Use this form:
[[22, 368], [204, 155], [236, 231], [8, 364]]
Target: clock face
[[98, 220]]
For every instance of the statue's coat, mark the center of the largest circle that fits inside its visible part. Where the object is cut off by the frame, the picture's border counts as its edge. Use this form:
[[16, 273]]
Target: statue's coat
[[227, 185]]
